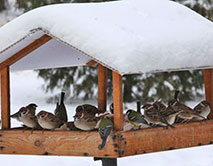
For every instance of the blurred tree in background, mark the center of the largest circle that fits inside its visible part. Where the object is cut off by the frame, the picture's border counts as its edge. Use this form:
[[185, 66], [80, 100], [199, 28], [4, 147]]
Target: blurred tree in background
[[81, 82], [3, 4]]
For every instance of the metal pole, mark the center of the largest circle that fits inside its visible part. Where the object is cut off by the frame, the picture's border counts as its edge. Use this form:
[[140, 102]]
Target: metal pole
[[107, 161]]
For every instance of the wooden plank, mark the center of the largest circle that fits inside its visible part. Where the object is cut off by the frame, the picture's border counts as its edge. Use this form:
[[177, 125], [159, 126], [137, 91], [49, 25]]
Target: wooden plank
[[118, 101], [120, 144], [102, 87], [91, 63], [60, 143], [26, 50], [208, 82], [162, 138], [5, 98]]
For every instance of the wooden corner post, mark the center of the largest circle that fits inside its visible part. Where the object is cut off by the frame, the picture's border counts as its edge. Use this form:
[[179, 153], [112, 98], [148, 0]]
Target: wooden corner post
[[5, 97], [208, 82], [118, 101], [102, 87]]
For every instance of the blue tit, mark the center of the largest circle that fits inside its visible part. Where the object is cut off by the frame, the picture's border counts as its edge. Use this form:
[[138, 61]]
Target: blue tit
[[105, 127]]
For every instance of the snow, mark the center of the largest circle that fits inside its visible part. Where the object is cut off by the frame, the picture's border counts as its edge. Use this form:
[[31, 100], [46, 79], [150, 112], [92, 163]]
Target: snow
[[27, 80], [129, 36]]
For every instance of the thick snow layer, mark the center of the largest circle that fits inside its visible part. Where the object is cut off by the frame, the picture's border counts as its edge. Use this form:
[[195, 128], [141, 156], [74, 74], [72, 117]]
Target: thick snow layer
[[129, 36]]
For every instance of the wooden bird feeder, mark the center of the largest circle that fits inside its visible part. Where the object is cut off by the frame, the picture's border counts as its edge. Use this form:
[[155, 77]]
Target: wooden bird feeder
[[40, 40]]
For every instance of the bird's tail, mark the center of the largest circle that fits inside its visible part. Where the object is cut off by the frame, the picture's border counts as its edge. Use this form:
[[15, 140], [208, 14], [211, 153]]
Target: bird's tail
[[176, 94], [62, 97], [103, 143]]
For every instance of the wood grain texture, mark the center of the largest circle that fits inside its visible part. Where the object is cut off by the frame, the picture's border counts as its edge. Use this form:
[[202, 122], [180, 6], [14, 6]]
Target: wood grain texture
[[208, 81], [162, 138], [26, 50], [5, 97], [60, 143], [118, 101], [92, 63], [102, 87], [120, 143]]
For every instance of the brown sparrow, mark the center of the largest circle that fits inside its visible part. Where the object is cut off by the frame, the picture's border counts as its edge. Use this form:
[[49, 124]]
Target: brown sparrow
[[26, 115], [186, 112], [203, 109], [48, 121], [170, 114], [152, 115], [84, 119]]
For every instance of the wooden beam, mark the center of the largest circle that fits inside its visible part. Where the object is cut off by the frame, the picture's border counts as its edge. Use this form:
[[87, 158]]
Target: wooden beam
[[102, 87], [162, 138], [118, 101], [5, 98], [60, 143], [119, 144], [208, 82], [92, 63], [26, 50]]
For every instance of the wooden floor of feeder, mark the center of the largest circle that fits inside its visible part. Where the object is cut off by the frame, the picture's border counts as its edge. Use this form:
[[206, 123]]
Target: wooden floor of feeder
[[120, 144]]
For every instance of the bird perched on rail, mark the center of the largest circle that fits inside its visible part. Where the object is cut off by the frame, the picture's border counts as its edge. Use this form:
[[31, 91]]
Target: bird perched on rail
[[48, 120], [136, 118], [154, 116], [105, 128], [60, 111], [26, 115], [203, 109], [85, 117], [159, 105], [186, 112]]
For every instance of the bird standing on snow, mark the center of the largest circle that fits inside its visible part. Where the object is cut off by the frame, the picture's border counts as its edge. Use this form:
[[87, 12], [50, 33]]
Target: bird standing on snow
[[48, 120], [105, 127], [203, 109], [26, 115], [60, 111]]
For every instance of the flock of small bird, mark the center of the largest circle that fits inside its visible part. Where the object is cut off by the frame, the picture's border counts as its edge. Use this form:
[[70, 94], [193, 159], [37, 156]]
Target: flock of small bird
[[88, 117]]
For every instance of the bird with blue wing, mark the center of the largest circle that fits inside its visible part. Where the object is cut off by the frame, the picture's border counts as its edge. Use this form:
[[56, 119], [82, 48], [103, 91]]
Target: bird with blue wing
[[105, 128]]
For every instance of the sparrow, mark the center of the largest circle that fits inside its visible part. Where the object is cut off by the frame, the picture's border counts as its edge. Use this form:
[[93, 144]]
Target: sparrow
[[170, 114], [48, 120], [85, 121], [159, 105], [89, 111], [203, 109], [26, 115], [105, 127], [60, 111], [186, 113], [153, 116], [135, 118]]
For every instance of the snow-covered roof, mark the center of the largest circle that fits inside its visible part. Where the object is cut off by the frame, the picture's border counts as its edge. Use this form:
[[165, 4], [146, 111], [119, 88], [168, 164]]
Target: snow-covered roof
[[128, 36]]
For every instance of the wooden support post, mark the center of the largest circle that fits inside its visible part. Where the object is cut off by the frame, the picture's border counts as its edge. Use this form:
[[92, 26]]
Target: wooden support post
[[118, 101], [5, 98], [102, 87], [208, 81]]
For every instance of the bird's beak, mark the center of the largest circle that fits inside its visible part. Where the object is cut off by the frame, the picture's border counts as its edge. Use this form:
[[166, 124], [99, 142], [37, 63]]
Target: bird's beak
[[16, 115]]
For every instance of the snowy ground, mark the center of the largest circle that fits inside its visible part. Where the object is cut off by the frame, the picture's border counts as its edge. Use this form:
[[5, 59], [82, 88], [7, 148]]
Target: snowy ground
[[26, 88]]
